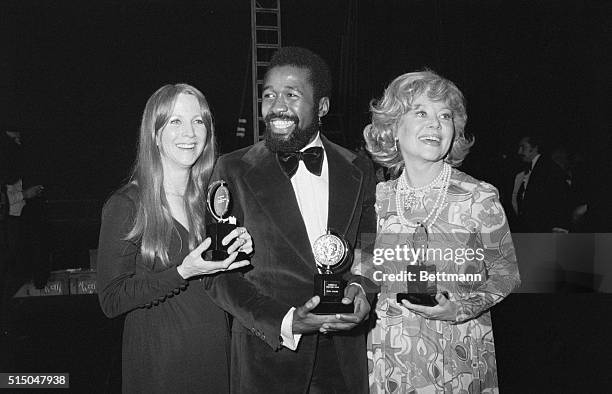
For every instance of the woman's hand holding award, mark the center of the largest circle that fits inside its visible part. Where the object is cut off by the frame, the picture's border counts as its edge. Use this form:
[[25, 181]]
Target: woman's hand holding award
[[421, 292]]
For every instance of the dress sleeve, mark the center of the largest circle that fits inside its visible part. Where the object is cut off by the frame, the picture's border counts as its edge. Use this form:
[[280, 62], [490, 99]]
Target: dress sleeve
[[120, 287], [489, 221]]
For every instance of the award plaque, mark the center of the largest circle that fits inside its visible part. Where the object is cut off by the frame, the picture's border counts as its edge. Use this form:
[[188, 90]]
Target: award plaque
[[331, 254], [218, 203], [422, 286]]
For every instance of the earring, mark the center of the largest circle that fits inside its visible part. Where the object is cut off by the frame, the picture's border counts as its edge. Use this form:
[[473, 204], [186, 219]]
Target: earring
[[397, 144], [320, 123]]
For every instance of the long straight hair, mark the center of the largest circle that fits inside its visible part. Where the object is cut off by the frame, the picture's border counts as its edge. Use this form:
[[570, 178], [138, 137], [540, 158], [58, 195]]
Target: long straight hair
[[153, 224]]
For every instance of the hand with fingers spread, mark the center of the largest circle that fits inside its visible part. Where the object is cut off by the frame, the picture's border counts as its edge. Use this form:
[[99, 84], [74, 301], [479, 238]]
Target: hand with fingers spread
[[194, 265], [445, 310]]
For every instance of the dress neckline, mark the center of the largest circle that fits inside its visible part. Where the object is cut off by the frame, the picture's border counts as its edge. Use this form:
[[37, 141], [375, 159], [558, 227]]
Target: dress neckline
[[180, 225]]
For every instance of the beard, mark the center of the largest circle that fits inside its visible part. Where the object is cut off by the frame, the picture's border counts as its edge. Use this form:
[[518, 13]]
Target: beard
[[295, 141]]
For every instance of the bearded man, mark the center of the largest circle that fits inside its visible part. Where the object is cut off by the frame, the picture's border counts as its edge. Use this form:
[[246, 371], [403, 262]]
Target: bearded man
[[288, 190]]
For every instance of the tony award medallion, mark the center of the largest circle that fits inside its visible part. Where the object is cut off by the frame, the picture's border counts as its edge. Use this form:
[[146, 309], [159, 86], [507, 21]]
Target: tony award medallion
[[331, 254], [218, 203], [421, 289]]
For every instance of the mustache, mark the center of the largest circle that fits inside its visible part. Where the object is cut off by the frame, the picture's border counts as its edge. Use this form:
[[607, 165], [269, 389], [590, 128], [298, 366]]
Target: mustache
[[272, 116]]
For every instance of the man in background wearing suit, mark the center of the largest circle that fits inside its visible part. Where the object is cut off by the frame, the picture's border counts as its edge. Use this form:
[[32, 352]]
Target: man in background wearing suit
[[540, 195], [286, 203]]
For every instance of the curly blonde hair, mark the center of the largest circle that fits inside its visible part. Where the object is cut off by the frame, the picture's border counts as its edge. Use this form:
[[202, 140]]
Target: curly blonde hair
[[397, 100]]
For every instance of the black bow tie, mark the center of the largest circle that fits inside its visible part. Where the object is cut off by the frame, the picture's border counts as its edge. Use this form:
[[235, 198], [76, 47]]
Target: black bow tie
[[312, 157]]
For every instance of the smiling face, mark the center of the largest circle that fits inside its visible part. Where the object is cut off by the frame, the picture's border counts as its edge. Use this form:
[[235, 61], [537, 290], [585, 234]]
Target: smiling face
[[289, 109], [182, 139], [426, 131]]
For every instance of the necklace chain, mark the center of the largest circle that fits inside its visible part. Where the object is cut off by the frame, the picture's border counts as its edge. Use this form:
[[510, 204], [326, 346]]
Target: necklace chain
[[409, 198]]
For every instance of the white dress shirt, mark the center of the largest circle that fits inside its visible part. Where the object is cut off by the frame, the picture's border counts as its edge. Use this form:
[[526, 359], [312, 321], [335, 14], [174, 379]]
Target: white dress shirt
[[312, 195]]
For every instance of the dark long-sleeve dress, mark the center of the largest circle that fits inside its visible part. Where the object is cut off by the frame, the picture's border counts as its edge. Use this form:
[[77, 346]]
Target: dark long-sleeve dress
[[175, 340]]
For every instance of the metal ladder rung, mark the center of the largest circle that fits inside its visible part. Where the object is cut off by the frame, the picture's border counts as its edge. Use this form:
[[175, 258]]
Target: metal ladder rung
[[266, 28], [272, 43], [267, 46], [267, 10]]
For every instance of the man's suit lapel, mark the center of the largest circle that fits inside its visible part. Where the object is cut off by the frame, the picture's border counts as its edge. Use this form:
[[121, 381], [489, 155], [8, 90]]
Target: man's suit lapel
[[273, 191], [345, 181]]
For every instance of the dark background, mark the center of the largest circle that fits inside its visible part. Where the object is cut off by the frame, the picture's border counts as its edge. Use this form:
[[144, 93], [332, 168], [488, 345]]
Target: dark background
[[75, 76]]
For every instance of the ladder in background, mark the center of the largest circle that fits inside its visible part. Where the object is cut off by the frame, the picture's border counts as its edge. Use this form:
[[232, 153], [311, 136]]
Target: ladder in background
[[265, 40]]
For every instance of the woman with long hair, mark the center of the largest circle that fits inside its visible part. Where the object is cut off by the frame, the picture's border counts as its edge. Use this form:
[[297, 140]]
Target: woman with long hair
[[175, 339]]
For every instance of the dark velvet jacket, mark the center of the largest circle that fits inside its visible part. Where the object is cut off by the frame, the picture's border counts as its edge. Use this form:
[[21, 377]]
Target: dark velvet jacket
[[283, 267]]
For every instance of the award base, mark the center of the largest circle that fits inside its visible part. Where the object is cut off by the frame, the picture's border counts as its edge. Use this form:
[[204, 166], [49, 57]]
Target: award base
[[216, 232], [330, 289], [418, 291], [426, 299]]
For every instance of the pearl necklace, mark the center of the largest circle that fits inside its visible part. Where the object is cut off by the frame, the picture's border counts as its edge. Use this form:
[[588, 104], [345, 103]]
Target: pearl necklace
[[415, 194], [413, 199]]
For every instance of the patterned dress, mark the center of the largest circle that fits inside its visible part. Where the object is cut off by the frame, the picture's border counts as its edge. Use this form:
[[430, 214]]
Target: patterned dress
[[411, 354]]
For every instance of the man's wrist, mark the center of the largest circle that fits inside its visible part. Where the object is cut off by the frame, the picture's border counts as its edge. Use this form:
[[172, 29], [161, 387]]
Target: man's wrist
[[289, 339]]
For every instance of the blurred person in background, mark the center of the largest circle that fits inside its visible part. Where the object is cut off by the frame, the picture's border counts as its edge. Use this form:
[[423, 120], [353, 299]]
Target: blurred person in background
[[540, 198], [24, 258]]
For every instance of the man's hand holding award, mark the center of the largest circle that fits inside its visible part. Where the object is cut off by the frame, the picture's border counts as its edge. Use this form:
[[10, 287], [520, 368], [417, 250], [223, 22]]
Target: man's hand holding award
[[335, 306]]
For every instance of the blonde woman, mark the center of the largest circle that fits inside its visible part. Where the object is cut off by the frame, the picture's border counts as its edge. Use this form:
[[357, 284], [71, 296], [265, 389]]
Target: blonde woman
[[151, 240], [417, 131]]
